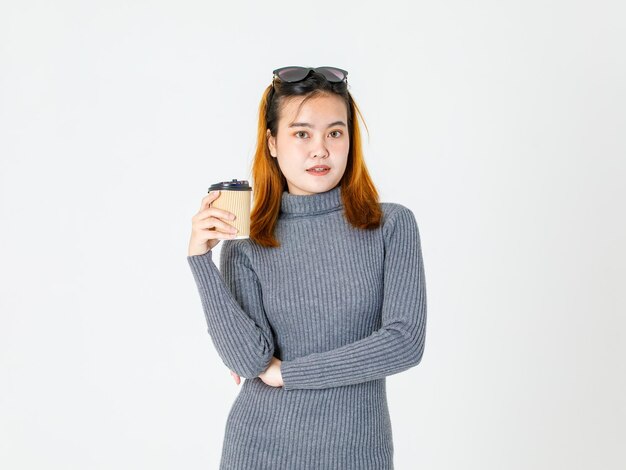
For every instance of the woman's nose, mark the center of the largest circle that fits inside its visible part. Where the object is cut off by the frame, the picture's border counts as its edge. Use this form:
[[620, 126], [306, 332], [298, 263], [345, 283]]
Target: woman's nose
[[320, 150]]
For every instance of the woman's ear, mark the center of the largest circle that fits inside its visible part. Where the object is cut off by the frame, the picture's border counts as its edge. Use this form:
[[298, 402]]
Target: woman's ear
[[271, 143]]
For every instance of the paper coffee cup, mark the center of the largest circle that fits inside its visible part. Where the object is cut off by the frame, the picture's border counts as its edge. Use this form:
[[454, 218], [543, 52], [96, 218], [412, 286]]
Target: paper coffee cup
[[234, 197]]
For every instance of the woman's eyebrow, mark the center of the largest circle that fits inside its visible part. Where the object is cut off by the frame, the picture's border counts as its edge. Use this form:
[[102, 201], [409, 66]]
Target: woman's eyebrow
[[306, 124]]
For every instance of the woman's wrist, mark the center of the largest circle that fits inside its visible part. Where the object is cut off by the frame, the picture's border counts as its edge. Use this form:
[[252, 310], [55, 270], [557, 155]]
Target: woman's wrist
[[197, 253]]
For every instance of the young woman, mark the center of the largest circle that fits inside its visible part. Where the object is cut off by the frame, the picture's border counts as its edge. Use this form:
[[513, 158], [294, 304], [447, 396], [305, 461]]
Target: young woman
[[323, 301]]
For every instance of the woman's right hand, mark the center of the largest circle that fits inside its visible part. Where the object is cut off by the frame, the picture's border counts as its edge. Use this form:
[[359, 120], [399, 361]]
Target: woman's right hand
[[208, 228], [236, 377]]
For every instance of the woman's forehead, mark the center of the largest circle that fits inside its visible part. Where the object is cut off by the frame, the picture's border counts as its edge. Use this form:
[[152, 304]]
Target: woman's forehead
[[315, 110]]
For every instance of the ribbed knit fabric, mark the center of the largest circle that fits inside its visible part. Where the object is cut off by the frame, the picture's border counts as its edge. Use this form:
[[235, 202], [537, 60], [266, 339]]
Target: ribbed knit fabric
[[343, 308]]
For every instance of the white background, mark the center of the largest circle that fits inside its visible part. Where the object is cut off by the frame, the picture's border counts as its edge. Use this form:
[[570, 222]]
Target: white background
[[501, 124]]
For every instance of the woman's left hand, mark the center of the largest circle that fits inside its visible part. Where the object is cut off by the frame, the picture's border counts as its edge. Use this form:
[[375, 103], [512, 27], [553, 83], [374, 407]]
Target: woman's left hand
[[271, 376]]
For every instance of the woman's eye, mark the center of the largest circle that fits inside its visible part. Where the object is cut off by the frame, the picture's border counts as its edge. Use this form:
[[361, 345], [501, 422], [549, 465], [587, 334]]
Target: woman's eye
[[297, 134]]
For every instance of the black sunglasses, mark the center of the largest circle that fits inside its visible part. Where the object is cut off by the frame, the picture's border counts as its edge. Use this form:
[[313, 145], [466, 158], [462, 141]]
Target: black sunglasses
[[295, 74]]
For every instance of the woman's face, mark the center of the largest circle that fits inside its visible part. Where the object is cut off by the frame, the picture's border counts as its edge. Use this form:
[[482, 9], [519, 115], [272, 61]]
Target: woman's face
[[317, 135]]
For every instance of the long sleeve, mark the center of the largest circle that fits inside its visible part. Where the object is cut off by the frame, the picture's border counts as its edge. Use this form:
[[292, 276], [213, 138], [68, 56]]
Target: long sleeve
[[232, 302], [399, 344]]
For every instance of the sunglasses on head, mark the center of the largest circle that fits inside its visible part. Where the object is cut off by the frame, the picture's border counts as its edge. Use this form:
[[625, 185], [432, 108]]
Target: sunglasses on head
[[295, 74]]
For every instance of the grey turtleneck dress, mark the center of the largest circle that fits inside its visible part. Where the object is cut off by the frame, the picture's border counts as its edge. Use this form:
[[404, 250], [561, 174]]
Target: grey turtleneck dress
[[342, 308]]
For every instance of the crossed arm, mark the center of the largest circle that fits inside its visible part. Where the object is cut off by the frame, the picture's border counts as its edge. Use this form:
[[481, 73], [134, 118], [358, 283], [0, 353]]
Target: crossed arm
[[244, 340]]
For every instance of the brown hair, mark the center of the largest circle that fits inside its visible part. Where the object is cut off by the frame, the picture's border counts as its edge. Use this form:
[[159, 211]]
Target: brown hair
[[359, 196]]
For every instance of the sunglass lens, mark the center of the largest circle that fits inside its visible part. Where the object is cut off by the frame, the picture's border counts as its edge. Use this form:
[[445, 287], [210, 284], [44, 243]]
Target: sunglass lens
[[332, 74], [292, 74]]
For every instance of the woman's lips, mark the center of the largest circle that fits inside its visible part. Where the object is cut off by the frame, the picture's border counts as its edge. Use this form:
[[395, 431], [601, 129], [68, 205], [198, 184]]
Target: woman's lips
[[318, 173]]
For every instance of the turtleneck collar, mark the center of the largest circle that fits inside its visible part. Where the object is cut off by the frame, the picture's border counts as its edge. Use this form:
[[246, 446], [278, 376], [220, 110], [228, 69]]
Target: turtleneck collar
[[293, 205]]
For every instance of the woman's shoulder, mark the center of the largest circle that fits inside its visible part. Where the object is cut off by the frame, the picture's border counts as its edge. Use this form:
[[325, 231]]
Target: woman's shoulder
[[391, 210], [396, 217], [236, 248]]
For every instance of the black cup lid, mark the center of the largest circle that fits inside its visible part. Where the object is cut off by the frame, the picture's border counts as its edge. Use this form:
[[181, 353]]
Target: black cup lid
[[233, 185]]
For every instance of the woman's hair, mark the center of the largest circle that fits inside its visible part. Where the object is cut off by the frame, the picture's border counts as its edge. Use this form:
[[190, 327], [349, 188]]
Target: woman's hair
[[359, 196]]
